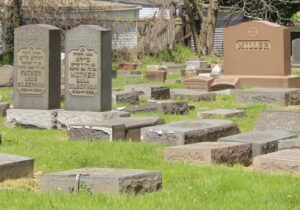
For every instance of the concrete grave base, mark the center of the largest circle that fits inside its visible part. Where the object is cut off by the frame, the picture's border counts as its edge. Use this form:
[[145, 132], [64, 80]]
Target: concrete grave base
[[109, 130], [211, 152], [170, 106], [150, 91], [102, 180], [187, 132], [222, 113], [14, 167], [278, 96], [192, 95], [286, 161], [289, 144], [263, 142], [47, 119], [279, 120]]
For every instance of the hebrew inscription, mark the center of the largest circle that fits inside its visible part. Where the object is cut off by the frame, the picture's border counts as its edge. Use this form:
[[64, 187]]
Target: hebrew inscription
[[82, 72], [31, 71]]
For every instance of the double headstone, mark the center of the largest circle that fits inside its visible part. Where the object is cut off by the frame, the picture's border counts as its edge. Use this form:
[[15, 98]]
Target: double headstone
[[37, 67], [88, 69]]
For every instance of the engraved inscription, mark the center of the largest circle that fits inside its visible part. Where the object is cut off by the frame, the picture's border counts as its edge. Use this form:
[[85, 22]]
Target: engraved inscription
[[31, 71], [252, 45], [82, 72]]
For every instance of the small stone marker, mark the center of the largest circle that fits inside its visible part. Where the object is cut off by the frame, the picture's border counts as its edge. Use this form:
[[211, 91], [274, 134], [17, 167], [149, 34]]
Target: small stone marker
[[198, 83], [222, 113], [102, 180], [3, 109], [88, 69], [296, 51], [279, 96], [225, 82], [155, 92], [127, 97], [60, 119], [6, 76], [279, 120], [192, 95], [195, 65], [14, 167], [109, 130], [289, 144], [170, 106], [211, 152], [284, 161], [263, 142], [188, 132], [37, 67], [158, 76]]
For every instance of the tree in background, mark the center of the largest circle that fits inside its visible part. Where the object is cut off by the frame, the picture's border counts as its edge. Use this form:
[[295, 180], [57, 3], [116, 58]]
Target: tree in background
[[203, 16]]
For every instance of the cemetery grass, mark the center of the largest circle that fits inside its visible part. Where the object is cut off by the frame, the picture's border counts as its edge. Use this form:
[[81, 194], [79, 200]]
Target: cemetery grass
[[184, 186]]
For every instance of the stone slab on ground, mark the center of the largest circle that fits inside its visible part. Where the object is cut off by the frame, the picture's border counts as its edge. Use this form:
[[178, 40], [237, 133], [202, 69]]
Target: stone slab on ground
[[128, 97], [188, 132], [170, 106], [109, 130], [222, 113], [139, 108], [14, 167], [192, 95], [289, 144], [278, 96], [263, 142], [6, 76], [211, 152], [102, 180], [279, 120], [48, 119], [150, 91], [285, 161], [198, 83], [3, 108]]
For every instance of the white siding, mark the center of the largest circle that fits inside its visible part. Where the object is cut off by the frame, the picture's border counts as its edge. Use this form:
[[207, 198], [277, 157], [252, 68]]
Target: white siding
[[125, 40], [149, 12]]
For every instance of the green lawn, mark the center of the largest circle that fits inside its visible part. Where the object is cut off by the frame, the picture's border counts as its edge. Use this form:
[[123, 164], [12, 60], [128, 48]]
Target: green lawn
[[184, 186]]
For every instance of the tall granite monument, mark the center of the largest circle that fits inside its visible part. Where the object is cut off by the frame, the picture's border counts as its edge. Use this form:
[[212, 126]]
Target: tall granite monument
[[88, 69], [37, 67], [257, 54]]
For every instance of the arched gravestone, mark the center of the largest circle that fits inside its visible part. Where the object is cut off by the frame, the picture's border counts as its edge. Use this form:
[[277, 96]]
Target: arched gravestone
[[88, 69], [37, 67], [258, 53]]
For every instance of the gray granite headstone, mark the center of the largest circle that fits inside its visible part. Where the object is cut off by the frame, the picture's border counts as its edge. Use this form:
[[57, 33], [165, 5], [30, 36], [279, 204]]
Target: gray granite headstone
[[296, 51], [88, 69], [37, 67], [6, 76]]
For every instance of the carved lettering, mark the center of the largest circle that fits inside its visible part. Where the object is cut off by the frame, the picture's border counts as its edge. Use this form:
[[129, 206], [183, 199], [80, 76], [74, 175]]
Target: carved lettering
[[253, 45], [31, 71], [82, 72]]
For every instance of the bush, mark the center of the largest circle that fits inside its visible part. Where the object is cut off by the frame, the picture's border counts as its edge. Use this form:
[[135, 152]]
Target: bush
[[180, 54], [7, 58]]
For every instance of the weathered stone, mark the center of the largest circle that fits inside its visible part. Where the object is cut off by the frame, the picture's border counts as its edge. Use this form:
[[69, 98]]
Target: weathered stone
[[188, 132], [195, 65], [127, 97], [211, 152], [279, 120], [158, 76], [88, 69], [14, 167], [150, 91], [47, 119], [109, 130], [37, 67], [66, 118], [295, 51], [171, 106], [222, 113], [192, 95], [225, 82], [123, 73], [140, 108], [263, 142], [191, 73], [102, 180], [284, 161], [3, 108], [198, 83], [289, 144], [279, 96], [6, 76]]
